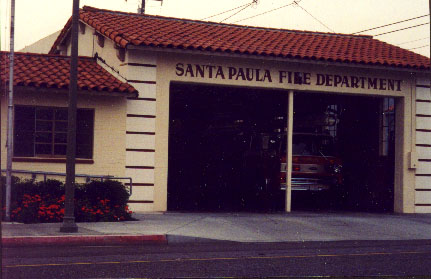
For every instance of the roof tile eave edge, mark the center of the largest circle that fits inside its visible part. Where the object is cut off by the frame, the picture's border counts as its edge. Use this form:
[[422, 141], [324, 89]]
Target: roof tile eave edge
[[287, 57], [65, 90]]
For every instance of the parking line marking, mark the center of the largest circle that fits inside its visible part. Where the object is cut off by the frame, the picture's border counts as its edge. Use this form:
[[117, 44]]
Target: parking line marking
[[220, 259]]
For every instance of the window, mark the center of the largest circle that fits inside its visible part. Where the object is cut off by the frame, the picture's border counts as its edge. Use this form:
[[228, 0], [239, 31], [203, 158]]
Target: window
[[42, 132], [387, 126], [315, 145]]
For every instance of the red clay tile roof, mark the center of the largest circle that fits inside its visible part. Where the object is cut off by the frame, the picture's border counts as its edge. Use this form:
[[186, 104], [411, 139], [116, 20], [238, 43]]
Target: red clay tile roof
[[144, 30], [52, 71]]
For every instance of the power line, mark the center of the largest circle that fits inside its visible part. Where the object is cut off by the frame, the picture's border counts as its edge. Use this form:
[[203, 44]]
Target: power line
[[414, 26], [226, 11], [239, 11], [314, 17], [268, 11], [390, 24], [412, 41], [418, 47]]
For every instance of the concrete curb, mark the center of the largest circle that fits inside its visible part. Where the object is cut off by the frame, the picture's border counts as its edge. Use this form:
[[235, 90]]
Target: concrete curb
[[81, 240]]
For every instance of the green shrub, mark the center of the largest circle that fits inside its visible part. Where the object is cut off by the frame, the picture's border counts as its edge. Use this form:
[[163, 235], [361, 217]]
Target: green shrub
[[15, 180], [34, 202], [108, 189]]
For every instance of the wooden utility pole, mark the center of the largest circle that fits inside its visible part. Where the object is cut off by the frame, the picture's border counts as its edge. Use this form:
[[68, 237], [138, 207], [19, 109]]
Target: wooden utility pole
[[69, 225], [143, 7], [9, 140]]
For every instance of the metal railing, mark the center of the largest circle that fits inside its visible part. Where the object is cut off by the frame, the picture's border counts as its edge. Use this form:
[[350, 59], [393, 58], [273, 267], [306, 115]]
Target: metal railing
[[87, 177]]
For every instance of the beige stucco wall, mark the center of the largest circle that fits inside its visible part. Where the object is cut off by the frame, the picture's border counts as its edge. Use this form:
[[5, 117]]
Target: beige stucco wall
[[166, 73], [423, 144], [43, 45], [109, 131], [154, 69], [167, 67]]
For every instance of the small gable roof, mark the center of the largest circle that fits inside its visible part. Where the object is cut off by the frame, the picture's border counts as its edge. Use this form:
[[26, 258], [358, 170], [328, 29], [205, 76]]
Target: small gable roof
[[128, 29], [53, 71]]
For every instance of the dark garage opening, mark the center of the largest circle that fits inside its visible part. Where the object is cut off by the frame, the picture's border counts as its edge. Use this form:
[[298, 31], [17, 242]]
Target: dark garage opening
[[226, 145], [215, 159], [363, 130]]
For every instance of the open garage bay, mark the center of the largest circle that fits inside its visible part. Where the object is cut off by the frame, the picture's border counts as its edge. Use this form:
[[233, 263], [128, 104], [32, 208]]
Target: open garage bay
[[227, 150]]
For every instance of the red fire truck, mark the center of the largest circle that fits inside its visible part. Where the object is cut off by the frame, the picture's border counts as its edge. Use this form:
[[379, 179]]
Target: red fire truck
[[315, 166]]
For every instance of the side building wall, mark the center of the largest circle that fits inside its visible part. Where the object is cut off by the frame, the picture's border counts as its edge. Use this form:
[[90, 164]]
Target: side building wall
[[423, 146], [108, 140], [43, 45]]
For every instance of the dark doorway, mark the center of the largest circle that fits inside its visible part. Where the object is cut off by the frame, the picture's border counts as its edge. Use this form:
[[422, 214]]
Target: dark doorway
[[227, 149], [221, 156], [363, 132]]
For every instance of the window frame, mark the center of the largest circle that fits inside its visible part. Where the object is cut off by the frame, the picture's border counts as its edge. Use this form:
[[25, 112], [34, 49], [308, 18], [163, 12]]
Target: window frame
[[35, 156]]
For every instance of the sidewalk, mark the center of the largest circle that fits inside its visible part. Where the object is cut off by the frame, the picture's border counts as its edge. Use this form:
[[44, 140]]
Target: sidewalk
[[163, 228]]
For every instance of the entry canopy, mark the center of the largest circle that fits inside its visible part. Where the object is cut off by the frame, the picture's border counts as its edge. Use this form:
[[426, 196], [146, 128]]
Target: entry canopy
[[129, 29]]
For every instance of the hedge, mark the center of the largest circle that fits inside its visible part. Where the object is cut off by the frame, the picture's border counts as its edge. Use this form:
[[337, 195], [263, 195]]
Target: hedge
[[43, 202]]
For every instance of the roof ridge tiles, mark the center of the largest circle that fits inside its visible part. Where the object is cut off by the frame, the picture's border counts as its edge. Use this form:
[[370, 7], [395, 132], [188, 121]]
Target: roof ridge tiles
[[93, 9], [187, 34]]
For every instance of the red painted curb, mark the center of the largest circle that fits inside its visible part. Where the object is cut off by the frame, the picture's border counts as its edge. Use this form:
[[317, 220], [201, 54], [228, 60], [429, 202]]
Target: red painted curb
[[83, 240]]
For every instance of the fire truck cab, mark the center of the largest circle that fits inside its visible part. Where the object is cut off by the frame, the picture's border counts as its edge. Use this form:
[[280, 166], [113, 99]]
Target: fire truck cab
[[315, 166]]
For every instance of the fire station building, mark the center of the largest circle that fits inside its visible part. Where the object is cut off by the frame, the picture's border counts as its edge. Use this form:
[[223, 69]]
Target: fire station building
[[231, 117]]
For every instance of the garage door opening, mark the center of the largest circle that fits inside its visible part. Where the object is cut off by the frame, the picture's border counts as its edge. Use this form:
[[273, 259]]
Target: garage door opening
[[222, 153], [227, 146], [351, 137]]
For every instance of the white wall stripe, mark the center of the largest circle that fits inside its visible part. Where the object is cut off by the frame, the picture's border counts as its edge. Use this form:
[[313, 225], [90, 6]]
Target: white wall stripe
[[423, 93], [423, 138], [423, 152], [423, 108], [139, 158], [140, 141], [423, 209], [142, 73], [141, 207], [146, 90], [141, 107], [137, 124], [142, 193], [423, 123], [423, 182], [423, 168], [141, 175], [423, 197]]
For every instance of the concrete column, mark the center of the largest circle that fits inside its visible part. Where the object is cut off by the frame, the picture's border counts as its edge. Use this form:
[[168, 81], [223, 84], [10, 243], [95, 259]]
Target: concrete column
[[288, 204], [404, 182]]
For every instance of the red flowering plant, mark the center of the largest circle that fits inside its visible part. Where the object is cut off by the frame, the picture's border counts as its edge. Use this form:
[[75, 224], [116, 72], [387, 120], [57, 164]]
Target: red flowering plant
[[43, 202], [38, 209], [101, 211]]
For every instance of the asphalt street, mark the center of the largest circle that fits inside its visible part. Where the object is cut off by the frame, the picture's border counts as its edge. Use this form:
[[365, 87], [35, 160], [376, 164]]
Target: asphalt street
[[380, 259]]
